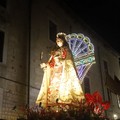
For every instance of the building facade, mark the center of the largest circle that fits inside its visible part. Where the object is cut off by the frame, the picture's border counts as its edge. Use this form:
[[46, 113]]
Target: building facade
[[27, 29]]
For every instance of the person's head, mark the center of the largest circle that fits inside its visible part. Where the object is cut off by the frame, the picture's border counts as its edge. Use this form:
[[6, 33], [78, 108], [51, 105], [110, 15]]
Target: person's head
[[60, 40]]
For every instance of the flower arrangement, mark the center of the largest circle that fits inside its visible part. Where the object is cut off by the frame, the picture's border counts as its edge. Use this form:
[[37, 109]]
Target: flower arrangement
[[91, 108]]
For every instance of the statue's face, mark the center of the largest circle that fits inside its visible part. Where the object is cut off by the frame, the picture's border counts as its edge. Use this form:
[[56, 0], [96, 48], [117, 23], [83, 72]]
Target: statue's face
[[59, 42]]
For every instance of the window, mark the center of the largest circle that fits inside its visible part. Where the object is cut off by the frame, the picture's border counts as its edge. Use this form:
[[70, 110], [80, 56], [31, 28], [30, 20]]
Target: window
[[86, 85], [3, 3], [52, 31], [2, 34], [118, 100], [106, 66], [108, 90], [109, 95]]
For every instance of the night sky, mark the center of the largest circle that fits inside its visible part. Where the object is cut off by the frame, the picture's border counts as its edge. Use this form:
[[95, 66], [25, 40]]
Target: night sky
[[101, 16]]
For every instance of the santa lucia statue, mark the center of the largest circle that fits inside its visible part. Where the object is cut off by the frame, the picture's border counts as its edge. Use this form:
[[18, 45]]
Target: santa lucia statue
[[60, 80]]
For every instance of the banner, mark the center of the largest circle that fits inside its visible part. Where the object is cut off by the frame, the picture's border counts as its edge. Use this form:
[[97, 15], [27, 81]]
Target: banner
[[113, 84]]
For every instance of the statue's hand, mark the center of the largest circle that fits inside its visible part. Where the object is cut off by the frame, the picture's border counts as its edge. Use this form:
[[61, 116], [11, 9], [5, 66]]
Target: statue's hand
[[43, 65]]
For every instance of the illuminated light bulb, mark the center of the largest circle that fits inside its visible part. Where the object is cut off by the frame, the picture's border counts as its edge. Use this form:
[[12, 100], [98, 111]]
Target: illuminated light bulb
[[115, 116]]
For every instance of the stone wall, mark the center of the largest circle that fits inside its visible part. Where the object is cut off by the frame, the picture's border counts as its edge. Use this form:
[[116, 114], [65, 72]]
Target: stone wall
[[13, 69]]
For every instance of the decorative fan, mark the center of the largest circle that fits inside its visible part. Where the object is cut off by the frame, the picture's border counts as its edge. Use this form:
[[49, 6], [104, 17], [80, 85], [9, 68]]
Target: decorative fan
[[83, 53]]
